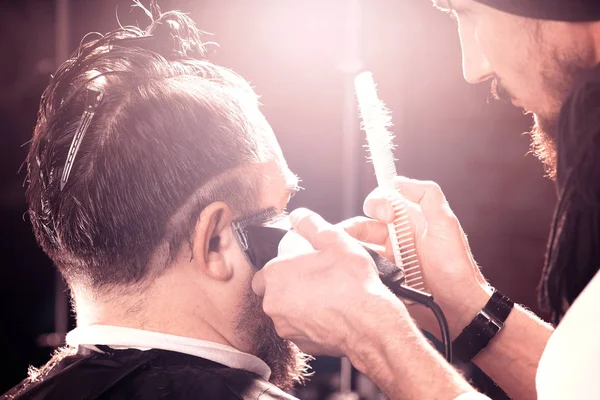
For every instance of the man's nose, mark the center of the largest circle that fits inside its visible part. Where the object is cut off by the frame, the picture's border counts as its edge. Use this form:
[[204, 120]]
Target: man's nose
[[476, 67]]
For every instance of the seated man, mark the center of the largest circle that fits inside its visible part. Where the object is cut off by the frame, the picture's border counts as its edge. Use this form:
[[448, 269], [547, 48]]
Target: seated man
[[143, 156]]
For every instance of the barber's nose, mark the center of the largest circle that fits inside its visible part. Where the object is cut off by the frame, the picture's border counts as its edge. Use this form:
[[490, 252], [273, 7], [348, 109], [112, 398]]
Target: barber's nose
[[476, 67]]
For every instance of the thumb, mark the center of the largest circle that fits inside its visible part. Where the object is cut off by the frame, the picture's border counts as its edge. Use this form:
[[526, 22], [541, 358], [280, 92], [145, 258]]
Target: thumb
[[320, 233], [378, 206], [258, 283]]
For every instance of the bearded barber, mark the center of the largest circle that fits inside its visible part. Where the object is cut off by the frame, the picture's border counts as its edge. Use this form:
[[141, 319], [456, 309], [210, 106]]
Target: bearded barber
[[544, 54]]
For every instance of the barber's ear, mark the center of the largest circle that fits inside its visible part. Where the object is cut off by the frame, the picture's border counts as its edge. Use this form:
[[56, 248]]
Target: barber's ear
[[212, 237]]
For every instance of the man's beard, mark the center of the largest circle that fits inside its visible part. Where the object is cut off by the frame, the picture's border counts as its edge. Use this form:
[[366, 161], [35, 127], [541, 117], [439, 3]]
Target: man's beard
[[543, 143], [289, 365], [545, 132]]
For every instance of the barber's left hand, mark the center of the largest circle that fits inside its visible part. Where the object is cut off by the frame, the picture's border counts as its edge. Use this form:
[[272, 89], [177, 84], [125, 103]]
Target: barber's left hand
[[317, 300]]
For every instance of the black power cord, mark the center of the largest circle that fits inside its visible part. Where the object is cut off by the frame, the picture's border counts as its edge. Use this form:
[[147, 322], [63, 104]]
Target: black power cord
[[261, 244], [393, 278], [426, 300]]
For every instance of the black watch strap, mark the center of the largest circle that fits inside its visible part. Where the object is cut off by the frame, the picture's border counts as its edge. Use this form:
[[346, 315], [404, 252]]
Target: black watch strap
[[486, 324]]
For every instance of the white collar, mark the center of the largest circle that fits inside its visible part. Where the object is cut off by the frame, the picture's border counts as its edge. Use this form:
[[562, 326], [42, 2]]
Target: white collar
[[121, 337]]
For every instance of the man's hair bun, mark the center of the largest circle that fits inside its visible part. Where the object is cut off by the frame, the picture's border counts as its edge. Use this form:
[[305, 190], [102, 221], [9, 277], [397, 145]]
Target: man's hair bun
[[177, 32]]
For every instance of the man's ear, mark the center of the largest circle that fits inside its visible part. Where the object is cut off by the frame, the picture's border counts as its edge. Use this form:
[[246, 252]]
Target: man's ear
[[212, 236]]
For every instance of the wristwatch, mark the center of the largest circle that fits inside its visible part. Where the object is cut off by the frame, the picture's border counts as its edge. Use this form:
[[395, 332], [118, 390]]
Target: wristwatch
[[486, 324]]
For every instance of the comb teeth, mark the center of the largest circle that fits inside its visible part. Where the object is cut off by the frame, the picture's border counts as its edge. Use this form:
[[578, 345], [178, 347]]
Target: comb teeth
[[259, 218]]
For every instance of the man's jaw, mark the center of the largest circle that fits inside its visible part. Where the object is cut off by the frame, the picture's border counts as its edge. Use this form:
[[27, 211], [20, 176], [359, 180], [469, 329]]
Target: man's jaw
[[543, 143], [289, 365], [543, 133]]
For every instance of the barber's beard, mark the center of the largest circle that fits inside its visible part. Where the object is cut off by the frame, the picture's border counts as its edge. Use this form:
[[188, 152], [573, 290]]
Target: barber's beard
[[543, 133], [558, 81], [543, 143], [289, 365]]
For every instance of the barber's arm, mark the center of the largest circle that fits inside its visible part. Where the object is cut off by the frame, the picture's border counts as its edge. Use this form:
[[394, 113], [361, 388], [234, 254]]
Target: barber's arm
[[512, 356], [331, 301]]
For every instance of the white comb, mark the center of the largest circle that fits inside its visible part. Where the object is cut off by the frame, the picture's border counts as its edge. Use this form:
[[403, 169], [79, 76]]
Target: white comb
[[376, 121]]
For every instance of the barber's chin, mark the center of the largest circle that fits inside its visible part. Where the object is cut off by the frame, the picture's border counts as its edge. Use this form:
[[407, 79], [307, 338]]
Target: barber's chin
[[546, 126], [543, 144]]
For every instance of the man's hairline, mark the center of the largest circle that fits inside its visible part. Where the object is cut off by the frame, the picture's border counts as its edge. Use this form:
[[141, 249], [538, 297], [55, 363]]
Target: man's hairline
[[161, 252], [217, 180], [158, 262]]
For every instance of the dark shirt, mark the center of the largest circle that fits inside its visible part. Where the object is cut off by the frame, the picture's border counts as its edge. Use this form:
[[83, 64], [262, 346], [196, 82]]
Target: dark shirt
[[135, 374]]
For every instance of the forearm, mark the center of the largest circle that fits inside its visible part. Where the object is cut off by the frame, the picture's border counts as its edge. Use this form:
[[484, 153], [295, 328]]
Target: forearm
[[393, 353], [512, 356], [511, 359]]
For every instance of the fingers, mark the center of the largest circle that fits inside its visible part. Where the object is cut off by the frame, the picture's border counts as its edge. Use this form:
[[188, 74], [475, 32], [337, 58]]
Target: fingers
[[378, 206], [377, 231], [428, 195], [366, 230], [258, 283], [310, 225], [281, 271]]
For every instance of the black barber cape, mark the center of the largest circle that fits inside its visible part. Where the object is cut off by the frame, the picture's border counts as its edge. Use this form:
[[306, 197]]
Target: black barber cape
[[134, 374]]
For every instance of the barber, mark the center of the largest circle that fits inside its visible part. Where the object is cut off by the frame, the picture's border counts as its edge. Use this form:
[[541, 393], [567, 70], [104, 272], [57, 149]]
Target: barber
[[331, 301], [544, 56]]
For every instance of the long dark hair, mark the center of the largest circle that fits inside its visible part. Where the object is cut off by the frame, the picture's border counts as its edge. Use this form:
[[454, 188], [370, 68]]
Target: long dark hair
[[573, 256]]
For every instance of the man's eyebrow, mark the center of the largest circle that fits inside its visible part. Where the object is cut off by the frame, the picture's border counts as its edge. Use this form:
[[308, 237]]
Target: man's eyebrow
[[292, 185]]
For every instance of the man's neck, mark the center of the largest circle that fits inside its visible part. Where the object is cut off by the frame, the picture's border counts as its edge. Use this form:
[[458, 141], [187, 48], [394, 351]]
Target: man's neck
[[174, 313], [178, 326]]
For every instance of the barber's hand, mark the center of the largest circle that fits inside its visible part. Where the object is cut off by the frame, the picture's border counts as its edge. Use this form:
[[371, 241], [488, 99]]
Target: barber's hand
[[449, 269], [318, 300]]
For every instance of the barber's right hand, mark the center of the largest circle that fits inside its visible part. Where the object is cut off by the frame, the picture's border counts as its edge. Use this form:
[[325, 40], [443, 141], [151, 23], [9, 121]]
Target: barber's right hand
[[450, 271], [326, 300]]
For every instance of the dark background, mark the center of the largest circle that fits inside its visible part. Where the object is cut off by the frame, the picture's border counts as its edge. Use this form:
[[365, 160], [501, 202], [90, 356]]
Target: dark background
[[298, 55]]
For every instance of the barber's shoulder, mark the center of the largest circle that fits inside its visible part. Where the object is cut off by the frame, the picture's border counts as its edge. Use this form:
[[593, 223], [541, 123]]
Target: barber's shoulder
[[583, 313], [573, 347]]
